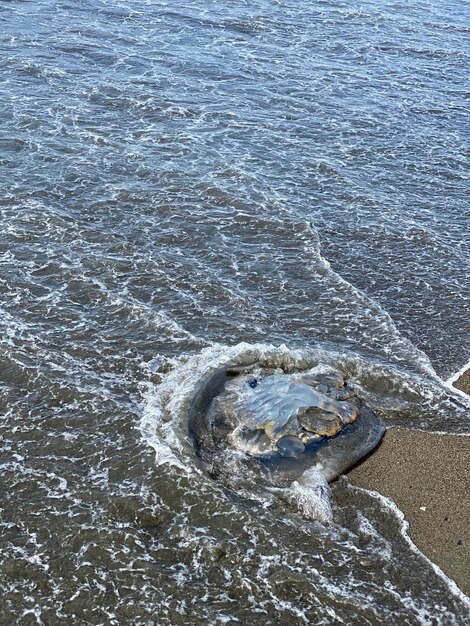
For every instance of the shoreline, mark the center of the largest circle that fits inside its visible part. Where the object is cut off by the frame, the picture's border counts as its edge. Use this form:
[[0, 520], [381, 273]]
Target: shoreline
[[427, 475]]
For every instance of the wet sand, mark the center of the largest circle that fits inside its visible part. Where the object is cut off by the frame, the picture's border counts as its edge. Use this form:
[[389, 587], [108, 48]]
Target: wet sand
[[428, 476]]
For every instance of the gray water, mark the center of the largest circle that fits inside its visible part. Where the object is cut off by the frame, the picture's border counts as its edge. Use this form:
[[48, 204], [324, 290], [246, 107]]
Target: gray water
[[180, 177]]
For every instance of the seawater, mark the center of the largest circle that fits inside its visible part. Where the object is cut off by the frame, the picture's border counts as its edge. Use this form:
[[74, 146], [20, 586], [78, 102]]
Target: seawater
[[184, 183]]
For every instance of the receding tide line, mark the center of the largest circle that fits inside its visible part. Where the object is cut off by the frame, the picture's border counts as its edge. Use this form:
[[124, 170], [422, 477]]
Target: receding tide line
[[390, 504], [457, 375]]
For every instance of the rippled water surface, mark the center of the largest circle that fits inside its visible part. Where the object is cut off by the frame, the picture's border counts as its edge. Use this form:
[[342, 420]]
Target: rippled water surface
[[180, 177]]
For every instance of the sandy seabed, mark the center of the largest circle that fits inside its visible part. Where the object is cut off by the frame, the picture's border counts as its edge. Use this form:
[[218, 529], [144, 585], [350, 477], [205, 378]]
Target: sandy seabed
[[427, 475]]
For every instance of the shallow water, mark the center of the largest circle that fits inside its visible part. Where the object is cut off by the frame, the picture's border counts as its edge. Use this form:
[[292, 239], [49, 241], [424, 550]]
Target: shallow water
[[179, 177]]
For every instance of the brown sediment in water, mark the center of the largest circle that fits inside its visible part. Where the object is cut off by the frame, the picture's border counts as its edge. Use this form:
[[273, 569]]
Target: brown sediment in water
[[427, 475]]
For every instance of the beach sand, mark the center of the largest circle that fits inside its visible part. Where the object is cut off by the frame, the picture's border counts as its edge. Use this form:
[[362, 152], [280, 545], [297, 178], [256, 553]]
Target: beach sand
[[427, 475]]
